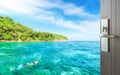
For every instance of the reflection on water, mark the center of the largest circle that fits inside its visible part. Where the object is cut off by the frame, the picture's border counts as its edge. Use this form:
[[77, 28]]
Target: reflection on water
[[56, 58]]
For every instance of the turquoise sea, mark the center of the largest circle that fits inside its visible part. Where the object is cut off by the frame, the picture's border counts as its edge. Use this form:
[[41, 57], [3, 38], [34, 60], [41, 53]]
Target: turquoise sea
[[55, 58]]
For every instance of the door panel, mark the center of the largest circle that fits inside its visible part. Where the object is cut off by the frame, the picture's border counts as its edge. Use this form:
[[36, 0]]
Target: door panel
[[110, 61], [106, 56]]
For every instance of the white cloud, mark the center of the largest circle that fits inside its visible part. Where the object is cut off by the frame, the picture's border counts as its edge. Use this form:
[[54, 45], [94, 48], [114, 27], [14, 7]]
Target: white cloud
[[34, 6], [67, 8], [71, 9], [83, 26], [18, 6]]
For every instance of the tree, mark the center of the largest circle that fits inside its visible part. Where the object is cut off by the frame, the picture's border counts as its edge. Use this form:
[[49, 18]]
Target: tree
[[6, 37]]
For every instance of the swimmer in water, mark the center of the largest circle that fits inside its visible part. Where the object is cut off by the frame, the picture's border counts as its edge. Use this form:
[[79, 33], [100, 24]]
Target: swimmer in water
[[33, 63], [23, 65]]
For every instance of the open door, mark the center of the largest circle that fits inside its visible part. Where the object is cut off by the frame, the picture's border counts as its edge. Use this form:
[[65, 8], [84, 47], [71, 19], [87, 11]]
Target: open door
[[110, 42]]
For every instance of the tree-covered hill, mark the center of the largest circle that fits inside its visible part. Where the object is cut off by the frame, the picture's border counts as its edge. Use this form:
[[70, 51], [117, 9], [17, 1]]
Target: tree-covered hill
[[13, 31]]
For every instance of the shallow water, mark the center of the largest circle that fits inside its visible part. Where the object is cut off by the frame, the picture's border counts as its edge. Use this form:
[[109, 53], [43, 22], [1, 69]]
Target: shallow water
[[56, 58]]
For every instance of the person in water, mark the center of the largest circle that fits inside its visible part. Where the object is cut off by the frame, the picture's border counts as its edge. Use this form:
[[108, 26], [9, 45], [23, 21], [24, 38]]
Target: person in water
[[23, 65], [33, 63]]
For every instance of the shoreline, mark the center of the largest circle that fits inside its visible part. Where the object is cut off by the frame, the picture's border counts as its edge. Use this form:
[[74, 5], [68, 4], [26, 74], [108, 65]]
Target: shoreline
[[37, 41], [47, 41]]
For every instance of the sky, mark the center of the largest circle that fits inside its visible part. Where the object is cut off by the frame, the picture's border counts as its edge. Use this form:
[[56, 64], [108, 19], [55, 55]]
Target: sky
[[75, 19]]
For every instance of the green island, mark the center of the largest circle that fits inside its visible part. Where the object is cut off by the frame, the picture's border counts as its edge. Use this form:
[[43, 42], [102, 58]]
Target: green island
[[14, 31]]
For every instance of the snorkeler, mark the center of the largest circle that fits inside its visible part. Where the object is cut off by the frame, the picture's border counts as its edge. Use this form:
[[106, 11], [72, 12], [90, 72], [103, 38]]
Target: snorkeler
[[24, 65], [33, 63]]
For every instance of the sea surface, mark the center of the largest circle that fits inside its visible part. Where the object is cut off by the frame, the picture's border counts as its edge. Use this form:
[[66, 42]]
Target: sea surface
[[55, 58]]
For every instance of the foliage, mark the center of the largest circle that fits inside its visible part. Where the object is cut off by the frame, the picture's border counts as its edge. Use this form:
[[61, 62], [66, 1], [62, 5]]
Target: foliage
[[13, 31]]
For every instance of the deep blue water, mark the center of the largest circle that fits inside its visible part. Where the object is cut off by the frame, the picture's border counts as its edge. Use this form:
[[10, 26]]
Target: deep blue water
[[56, 58]]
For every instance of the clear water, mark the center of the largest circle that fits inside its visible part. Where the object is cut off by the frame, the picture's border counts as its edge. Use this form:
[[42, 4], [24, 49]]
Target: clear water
[[56, 58]]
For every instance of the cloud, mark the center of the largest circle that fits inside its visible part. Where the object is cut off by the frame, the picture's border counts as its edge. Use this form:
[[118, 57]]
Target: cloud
[[18, 6], [83, 26], [71, 9], [34, 6]]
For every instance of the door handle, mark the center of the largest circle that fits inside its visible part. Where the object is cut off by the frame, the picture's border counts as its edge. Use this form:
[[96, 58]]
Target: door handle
[[107, 36]]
